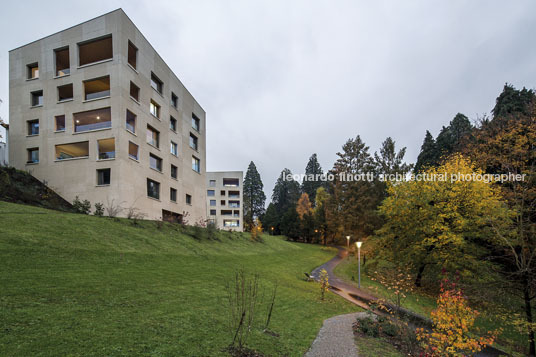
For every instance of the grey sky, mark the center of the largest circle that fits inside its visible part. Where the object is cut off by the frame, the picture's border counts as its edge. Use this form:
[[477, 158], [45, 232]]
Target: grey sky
[[281, 80]]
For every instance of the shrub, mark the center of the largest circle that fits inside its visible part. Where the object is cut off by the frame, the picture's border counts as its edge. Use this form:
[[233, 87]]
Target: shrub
[[324, 283], [212, 230], [99, 209], [83, 207], [112, 209]]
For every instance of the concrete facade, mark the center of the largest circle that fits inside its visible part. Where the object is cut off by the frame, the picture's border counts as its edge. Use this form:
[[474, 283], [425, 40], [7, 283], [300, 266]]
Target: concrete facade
[[76, 174], [225, 199]]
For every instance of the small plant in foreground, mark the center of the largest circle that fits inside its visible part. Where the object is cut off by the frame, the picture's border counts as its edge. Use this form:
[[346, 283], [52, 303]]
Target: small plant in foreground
[[324, 283], [83, 207], [99, 209], [112, 208]]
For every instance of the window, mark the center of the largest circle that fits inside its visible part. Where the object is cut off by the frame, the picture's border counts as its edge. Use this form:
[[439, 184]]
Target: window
[[33, 156], [63, 63], [234, 204], [106, 149], [174, 172], [33, 71], [174, 149], [212, 212], [154, 108], [193, 141], [226, 212], [222, 193], [153, 136], [211, 193], [236, 213], [234, 194], [174, 100], [133, 150], [230, 182], [153, 189], [173, 194], [213, 203], [97, 88], [196, 164], [173, 123], [92, 120], [195, 122], [134, 92], [103, 177], [95, 50], [188, 199], [72, 151], [156, 83], [222, 202], [60, 122], [131, 121], [37, 98], [155, 162], [212, 183], [65, 92], [132, 55], [231, 223], [33, 127]]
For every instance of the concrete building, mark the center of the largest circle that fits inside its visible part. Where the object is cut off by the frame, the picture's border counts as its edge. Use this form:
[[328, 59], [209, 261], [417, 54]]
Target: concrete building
[[225, 199], [97, 113], [4, 147]]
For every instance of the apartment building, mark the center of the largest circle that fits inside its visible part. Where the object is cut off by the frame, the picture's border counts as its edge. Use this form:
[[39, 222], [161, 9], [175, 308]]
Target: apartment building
[[225, 199], [96, 113]]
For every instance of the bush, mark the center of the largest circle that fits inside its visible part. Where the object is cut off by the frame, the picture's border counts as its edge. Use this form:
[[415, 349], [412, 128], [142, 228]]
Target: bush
[[99, 209], [212, 230], [369, 326], [83, 207]]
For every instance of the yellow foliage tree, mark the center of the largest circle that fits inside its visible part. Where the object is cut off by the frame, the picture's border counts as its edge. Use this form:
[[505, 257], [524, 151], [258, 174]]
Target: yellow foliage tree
[[304, 205], [256, 230]]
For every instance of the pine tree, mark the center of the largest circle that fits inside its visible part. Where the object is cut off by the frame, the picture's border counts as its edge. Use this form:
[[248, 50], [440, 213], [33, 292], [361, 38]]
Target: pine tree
[[512, 101], [389, 161], [428, 156], [254, 197], [286, 192], [312, 170], [270, 220]]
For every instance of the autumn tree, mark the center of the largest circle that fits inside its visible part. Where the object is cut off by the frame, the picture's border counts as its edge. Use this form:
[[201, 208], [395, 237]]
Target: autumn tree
[[254, 197], [304, 207], [319, 213], [439, 224], [312, 182]]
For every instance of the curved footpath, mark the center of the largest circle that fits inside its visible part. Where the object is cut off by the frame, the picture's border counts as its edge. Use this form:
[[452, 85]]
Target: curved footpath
[[336, 338]]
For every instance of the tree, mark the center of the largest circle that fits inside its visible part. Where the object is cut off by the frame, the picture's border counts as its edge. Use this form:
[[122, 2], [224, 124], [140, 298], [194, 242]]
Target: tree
[[512, 101], [312, 182], [304, 205], [452, 137], [428, 156], [254, 197], [286, 192], [319, 213], [440, 223], [270, 220], [291, 224], [389, 161]]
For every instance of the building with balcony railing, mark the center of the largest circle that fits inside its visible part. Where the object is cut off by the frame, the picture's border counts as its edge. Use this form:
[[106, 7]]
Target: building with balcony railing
[[225, 199]]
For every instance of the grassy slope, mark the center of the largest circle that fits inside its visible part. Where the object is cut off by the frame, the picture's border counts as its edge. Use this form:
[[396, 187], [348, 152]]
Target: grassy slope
[[77, 285], [510, 340]]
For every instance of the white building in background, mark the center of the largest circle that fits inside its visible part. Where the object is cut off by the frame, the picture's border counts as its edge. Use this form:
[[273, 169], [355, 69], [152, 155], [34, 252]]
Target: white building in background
[[4, 147], [225, 199]]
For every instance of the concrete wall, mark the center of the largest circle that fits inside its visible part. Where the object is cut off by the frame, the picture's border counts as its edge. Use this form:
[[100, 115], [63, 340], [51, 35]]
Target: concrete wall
[[4, 154], [78, 177], [221, 193]]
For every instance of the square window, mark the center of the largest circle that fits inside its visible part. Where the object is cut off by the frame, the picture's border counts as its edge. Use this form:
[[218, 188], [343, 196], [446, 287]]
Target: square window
[[33, 71], [211, 193], [155, 162], [33, 127], [173, 194], [134, 92], [174, 172], [153, 189], [95, 50], [132, 55], [222, 202], [131, 121], [154, 108], [133, 150], [195, 122], [212, 183], [212, 212], [193, 141], [196, 164], [173, 123], [222, 193], [153, 136], [174, 149], [103, 177], [63, 63], [188, 199], [97, 88], [33, 156], [37, 98], [156, 83], [65, 92], [106, 149], [174, 100], [213, 203], [60, 122]]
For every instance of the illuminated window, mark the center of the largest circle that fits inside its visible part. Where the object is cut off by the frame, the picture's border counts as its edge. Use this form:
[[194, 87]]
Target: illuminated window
[[92, 120]]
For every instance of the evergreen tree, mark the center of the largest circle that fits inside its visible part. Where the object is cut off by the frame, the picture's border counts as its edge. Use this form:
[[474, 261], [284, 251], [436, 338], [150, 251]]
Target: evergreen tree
[[291, 224], [512, 101], [270, 220], [389, 161], [428, 156], [254, 197], [286, 192], [314, 170], [452, 137]]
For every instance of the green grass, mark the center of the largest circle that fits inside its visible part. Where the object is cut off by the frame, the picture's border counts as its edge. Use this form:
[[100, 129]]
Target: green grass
[[368, 346], [75, 285]]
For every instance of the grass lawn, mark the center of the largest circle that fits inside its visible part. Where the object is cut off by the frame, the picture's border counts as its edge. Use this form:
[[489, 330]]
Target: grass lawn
[[510, 340], [368, 346], [75, 285]]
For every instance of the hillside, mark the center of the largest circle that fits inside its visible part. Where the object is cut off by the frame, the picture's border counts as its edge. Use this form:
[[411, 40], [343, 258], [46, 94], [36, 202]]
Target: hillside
[[83, 285]]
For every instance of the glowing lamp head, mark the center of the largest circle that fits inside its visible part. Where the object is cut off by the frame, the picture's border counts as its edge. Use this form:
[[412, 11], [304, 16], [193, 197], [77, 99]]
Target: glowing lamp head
[[348, 237], [358, 244]]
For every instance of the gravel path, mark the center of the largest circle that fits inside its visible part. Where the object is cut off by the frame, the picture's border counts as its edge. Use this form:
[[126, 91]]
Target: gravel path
[[336, 338]]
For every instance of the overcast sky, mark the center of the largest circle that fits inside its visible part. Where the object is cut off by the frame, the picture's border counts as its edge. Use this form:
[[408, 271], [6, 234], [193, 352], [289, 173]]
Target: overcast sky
[[281, 80]]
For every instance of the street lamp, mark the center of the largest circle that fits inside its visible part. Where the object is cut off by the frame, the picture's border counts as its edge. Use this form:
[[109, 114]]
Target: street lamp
[[272, 229], [358, 244], [348, 242]]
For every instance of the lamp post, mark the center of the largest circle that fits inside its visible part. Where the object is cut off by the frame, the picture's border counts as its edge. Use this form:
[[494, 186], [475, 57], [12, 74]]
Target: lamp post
[[272, 229], [358, 244], [348, 242]]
